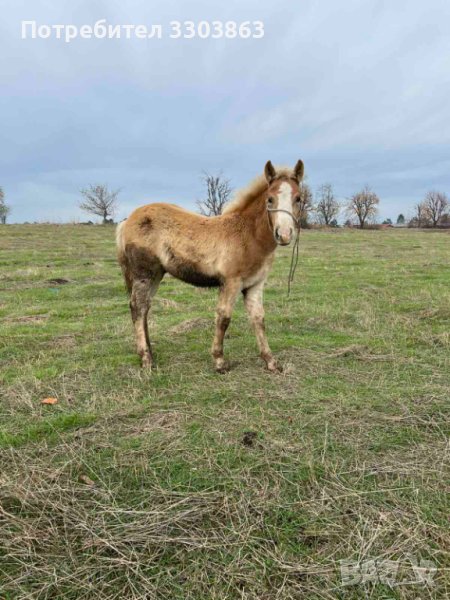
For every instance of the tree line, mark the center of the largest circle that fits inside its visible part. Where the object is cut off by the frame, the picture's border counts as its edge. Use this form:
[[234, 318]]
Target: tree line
[[322, 208], [4, 208]]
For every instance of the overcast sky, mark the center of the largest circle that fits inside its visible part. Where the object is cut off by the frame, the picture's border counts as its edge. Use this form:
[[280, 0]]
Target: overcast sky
[[359, 89]]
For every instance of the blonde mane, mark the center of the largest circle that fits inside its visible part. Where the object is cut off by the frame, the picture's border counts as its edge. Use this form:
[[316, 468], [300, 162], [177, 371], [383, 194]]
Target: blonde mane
[[253, 190]]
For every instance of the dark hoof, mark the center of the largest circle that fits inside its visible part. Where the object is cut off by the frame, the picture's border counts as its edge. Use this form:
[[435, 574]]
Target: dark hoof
[[274, 367], [223, 367], [146, 363]]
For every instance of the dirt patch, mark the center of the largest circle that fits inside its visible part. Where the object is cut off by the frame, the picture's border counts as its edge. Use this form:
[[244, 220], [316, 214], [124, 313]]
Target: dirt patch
[[58, 281], [190, 324], [249, 438], [27, 319], [353, 350]]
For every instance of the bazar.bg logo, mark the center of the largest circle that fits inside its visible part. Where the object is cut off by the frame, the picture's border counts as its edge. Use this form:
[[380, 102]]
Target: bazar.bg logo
[[414, 571]]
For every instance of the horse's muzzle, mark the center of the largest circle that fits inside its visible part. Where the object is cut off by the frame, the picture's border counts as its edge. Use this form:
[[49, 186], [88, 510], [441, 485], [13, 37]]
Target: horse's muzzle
[[283, 236]]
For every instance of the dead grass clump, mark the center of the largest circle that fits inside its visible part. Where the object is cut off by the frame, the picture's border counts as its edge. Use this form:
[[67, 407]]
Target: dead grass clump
[[64, 341], [167, 302], [360, 352], [435, 314], [190, 324], [72, 537], [75, 530], [160, 421]]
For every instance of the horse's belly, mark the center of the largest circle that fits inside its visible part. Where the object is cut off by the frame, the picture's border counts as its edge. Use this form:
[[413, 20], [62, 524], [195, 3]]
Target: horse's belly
[[189, 273]]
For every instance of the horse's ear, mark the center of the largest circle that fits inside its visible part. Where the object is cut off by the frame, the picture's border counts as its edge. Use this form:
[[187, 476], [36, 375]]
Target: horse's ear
[[269, 172], [299, 170]]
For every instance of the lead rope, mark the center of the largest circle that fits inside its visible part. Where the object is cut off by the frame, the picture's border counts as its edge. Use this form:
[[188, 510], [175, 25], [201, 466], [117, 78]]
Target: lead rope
[[295, 247], [294, 260]]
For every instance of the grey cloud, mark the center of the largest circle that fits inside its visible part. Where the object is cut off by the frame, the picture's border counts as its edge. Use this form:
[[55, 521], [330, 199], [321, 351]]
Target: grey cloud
[[358, 90]]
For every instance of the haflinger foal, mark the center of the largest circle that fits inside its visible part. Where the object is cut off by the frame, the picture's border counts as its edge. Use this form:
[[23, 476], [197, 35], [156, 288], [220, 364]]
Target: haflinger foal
[[233, 251]]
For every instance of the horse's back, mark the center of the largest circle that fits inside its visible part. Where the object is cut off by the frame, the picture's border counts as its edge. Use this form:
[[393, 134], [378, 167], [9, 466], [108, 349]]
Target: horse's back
[[163, 214]]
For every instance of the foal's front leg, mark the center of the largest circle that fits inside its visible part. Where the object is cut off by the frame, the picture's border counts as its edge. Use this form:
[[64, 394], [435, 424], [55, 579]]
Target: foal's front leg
[[253, 299], [227, 297]]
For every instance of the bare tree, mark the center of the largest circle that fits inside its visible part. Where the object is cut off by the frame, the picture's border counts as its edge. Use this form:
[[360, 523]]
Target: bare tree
[[420, 218], [4, 208], [435, 206], [98, 200], [218, 192], [327, 207], [306, 203], [363, 205]]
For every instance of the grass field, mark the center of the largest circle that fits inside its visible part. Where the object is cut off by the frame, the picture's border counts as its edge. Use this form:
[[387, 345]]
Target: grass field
[[185, 484]]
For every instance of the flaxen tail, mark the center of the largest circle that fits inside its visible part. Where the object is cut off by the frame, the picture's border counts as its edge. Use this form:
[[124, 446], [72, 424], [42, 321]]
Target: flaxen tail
[[122, 257]]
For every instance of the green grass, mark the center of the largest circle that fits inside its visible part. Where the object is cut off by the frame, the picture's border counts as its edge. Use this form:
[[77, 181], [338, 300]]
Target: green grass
[[138, 485]]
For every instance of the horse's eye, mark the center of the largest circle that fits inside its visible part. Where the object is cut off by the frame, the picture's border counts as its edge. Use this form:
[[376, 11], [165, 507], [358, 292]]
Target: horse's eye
[[270, 201], [298, 199]]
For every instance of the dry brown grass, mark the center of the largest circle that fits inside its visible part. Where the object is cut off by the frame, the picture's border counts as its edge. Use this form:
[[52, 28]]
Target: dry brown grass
[[181, 484]]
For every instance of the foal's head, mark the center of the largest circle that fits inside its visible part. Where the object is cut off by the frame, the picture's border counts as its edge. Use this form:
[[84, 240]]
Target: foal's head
[[283, 201]]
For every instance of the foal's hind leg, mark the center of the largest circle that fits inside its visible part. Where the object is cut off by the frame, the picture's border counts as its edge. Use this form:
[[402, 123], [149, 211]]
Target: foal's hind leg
[[253, 299], [142, 293]]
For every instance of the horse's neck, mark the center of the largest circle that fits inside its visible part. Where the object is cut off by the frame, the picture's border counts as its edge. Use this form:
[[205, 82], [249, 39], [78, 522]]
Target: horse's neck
[[258, 223]]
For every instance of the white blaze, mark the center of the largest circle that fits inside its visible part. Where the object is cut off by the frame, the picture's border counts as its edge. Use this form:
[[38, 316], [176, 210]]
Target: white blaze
[[283, 220]]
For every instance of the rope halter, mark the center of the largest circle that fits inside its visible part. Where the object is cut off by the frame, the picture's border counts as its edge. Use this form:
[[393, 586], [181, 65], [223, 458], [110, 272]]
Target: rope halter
[[294, 256]]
